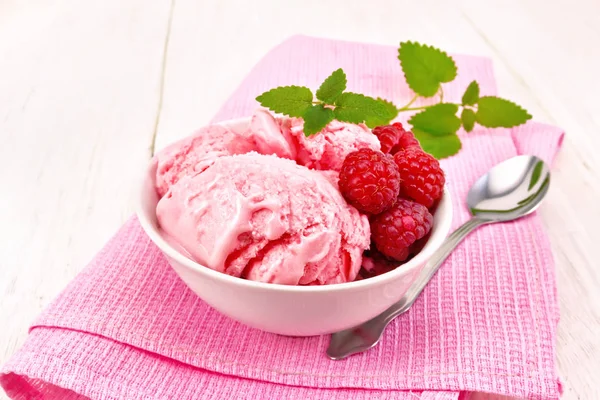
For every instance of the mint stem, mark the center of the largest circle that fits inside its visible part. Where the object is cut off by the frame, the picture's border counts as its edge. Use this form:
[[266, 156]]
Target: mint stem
[[441, 95], [406, 107], [412, 108]]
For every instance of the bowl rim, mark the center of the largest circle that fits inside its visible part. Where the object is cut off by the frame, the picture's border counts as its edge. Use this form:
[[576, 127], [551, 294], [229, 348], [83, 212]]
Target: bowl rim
[[438, 236]]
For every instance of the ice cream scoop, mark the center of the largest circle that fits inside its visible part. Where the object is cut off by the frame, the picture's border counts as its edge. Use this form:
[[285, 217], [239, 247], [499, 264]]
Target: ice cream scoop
[[328, 149], [266, 132], [195, 153], [266, 219]]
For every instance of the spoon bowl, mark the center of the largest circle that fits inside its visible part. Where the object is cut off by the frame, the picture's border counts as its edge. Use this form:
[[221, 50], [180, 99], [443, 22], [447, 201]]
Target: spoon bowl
[[508, 191]]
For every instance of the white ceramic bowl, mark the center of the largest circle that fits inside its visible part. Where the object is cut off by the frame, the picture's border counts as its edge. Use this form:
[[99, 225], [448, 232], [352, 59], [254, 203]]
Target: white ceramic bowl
[[291, 310]]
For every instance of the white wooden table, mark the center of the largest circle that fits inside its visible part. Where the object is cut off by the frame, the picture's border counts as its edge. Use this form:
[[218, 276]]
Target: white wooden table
[[87, 86]]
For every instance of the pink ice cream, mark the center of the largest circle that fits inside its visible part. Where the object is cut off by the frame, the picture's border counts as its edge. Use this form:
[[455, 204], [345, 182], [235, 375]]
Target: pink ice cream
[[328, 149], [194, 154], [266, 219], [266, 133]]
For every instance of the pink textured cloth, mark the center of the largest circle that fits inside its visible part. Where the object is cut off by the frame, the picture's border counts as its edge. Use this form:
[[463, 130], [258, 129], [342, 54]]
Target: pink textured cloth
[[128, 328]]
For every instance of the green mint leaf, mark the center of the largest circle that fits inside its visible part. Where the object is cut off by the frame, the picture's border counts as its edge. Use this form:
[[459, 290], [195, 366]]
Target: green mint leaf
[[332, 87], [468, 119], [471, 95], [391, 113], [495, 112], [356, 108], [316, 118], [350, 107], [438, 146], [289, 100], [439, 119], [425, 67]]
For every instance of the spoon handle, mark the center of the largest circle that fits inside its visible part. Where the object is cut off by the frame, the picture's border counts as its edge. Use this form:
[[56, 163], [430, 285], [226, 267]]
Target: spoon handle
[[432, 266], [367, 334]]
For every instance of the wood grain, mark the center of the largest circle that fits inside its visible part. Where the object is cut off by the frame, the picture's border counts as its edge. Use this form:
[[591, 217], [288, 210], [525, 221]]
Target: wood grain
[[87, 88], [78, 101]]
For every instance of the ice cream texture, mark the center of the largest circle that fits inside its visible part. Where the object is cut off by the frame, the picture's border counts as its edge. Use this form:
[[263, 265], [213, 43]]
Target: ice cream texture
[[283, 137], [328, 149], [260, 200], [196, 153], [268, 219]]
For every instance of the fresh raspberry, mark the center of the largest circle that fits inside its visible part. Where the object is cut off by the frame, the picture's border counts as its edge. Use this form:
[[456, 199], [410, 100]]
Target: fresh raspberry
[[422, 177], [369, 180], [407, 140], [395, 231], [394, 138], [388, 136]]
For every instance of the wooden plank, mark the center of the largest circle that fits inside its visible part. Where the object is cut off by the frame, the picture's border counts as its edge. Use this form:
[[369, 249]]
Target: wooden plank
[[78, 99]]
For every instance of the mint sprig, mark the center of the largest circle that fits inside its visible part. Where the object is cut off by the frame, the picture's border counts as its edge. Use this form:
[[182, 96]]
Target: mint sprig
[[358, 108], [441, 146], [294, 101], [495, 112], [425, 69], [438, 120], [471, 94], [468, 117], [332, 87], [316, 118], [332, 102]]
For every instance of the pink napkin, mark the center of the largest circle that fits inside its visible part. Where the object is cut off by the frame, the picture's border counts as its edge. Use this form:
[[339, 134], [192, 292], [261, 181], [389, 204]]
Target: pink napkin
[[128, 328]]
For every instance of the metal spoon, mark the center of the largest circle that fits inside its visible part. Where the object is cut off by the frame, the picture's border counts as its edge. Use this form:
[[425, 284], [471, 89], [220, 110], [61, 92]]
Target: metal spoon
[[508, 191]]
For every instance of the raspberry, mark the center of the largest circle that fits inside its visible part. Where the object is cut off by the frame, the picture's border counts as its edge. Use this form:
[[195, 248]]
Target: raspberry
[[374, 264], [422, 177], [395, 231], [388, 136], [407, 140], [394, 138], [369, 180]]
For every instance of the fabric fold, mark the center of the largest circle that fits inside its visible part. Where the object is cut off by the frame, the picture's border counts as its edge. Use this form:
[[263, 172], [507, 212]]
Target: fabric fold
[[119, 371]]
